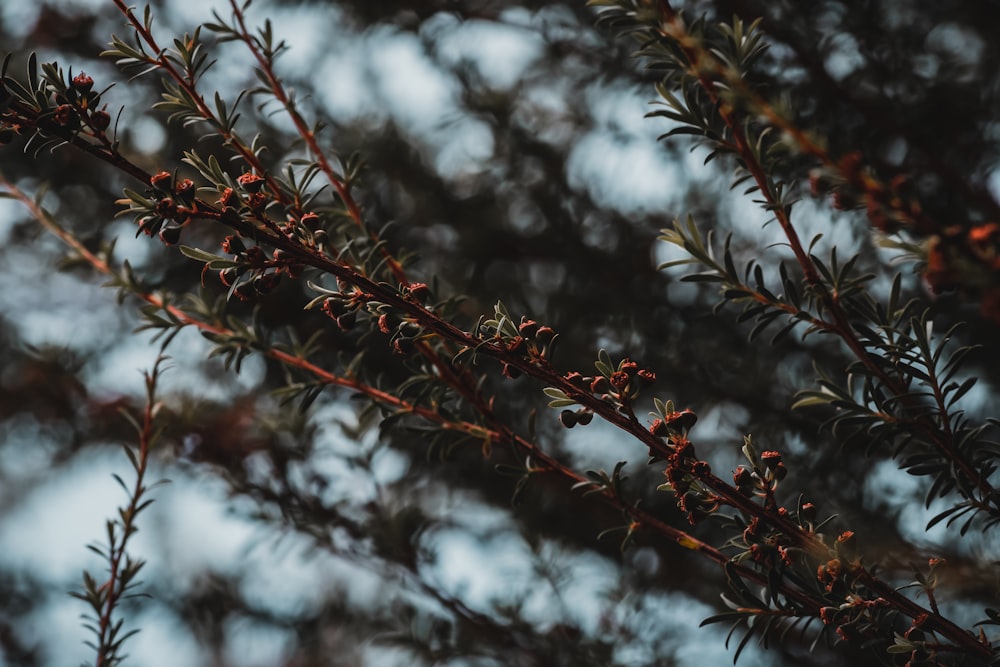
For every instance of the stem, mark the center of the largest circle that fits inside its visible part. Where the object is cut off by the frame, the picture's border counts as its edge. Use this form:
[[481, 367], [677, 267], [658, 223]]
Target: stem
[[497, 430], [107, 646], [309, 137]]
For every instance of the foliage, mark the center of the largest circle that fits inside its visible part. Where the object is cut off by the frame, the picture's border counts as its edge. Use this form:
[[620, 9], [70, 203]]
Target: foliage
[[311, 280]]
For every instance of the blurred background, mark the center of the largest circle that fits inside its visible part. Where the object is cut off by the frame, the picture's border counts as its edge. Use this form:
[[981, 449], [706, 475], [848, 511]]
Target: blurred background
[[507, 145]]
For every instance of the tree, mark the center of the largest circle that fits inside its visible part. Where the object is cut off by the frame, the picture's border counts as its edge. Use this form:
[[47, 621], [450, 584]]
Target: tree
[[387, 413]]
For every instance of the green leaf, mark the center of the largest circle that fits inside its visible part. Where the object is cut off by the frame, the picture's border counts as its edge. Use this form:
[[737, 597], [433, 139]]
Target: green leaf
[[200, 255]]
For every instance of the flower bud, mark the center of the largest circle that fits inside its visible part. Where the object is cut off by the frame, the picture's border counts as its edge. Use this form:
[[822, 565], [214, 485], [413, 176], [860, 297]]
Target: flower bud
[[528, 328], [184, 189], [233, 245], [682, 420], [256, 257], [166, 207], [65, 115], [83, 83], [267, 282], [408, 329], [257, 201], [743, 480], [419, 291], [771, 459], [228, 197], [847, 545], [619, 380], [100, 120], [251, 182], [310, 221]]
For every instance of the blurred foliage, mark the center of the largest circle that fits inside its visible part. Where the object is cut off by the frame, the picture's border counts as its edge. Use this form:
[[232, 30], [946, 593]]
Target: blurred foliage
[[529, 220]]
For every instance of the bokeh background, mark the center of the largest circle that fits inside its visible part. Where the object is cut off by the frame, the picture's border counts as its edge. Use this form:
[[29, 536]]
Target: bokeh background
[[507, 145]]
